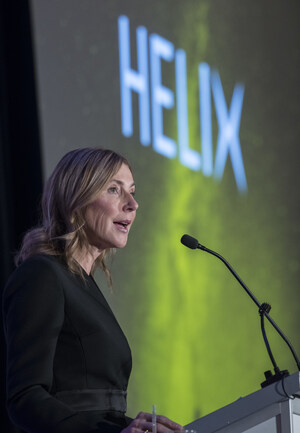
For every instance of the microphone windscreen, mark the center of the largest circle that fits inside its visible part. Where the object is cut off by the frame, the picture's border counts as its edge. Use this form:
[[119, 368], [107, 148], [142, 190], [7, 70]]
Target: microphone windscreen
[[189, 242]]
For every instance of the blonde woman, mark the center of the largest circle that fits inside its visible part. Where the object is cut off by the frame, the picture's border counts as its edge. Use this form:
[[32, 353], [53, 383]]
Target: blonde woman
[[68, 361]]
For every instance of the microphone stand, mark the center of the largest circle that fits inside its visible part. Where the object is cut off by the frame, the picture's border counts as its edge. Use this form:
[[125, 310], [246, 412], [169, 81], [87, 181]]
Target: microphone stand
[[264, 310]]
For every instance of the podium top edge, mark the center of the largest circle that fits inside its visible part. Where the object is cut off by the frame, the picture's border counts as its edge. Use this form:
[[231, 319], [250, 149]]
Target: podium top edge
[[250, 404]]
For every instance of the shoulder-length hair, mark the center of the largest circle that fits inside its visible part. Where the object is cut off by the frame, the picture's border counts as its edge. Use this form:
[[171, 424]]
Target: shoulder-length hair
[[78, 177]]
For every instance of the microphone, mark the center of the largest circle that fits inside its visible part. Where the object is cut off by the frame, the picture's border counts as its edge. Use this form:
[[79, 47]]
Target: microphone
[[189, 242], [264, 309]]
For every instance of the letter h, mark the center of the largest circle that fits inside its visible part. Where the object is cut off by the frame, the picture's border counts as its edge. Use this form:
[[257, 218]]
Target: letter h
[[132, 80]]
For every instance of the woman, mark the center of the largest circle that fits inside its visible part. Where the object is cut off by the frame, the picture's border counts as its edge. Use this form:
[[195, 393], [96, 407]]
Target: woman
[[68, 360]]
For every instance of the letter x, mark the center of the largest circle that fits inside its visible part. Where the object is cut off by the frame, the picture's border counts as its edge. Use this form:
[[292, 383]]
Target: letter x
[[229, 124]]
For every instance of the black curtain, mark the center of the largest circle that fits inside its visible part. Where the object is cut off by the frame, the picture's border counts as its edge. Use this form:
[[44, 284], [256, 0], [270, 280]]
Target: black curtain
[[20, 159]]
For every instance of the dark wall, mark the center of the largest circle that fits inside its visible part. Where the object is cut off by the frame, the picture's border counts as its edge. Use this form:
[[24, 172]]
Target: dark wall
[[20, 162]]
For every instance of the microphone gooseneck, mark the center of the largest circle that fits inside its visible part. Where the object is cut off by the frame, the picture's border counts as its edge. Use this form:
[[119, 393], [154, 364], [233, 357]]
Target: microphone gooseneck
[[193, 243]]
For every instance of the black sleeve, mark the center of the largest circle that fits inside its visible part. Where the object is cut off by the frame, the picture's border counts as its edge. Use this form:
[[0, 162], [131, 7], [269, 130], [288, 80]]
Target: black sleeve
[[33, 311]]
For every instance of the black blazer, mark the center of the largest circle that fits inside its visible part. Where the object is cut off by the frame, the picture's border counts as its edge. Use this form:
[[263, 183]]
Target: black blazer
[[68, 361]]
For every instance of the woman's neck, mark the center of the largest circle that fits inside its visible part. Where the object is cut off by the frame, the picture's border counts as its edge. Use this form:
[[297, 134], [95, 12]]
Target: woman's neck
[[86, 258]]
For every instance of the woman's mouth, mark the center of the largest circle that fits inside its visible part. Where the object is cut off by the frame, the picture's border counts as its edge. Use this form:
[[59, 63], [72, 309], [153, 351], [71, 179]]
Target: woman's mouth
[[122, 225]]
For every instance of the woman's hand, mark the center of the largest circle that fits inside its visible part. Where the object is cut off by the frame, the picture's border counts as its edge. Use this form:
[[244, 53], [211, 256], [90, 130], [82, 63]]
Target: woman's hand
[[143, 423]]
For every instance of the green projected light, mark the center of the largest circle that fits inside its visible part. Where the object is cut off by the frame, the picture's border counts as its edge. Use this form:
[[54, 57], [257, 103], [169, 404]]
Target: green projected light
[[199, 344], [201, 96]]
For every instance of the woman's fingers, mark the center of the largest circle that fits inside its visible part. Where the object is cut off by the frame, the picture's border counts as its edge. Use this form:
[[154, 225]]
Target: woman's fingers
[[164, 424], [143, 421]]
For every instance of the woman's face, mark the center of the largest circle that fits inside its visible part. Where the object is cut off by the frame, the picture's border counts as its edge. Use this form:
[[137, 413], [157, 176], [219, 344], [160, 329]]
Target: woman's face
[[109, 217]]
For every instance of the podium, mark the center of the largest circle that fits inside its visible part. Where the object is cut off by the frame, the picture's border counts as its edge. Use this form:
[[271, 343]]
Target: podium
[[273, 409]]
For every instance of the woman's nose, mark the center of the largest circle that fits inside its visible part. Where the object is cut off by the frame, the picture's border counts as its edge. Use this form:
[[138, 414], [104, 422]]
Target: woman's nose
[[131, 204]]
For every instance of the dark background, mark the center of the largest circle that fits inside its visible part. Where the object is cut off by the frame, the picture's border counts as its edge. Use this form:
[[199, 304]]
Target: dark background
[[20, 170]]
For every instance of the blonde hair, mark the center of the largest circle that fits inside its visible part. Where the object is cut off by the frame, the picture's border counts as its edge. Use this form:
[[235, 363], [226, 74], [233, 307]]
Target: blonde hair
[[77, 178]]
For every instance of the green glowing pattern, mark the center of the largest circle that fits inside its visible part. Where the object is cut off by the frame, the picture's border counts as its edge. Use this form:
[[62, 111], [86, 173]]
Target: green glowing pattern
[[195, 334]]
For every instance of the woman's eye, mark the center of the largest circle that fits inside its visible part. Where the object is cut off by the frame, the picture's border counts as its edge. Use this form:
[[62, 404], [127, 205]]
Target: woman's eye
[[132, 193], [113, 190]]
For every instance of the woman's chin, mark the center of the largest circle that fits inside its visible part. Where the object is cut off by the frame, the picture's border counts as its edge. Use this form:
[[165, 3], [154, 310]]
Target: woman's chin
[[118, 243]]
